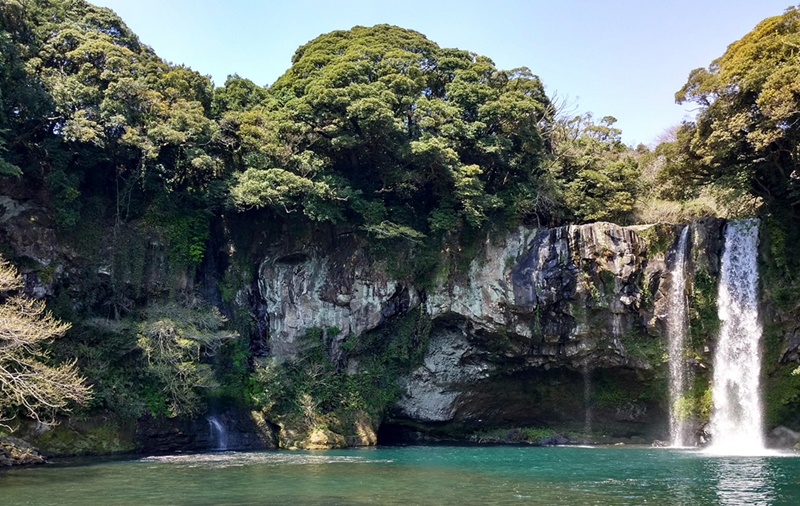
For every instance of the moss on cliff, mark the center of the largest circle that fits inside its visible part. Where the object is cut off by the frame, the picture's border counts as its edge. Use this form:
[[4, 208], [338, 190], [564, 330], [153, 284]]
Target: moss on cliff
[[703, 318], [780, 284], [781, 386], [659, 237], [318, 401], [102, 434]]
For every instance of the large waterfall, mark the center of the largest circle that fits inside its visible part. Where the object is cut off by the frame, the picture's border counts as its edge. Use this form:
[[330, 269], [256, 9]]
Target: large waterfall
[[736, 420], [676, 333]]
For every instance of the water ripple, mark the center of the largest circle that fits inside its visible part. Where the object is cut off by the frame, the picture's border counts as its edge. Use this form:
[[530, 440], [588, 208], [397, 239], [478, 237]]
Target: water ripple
[[239, 459]]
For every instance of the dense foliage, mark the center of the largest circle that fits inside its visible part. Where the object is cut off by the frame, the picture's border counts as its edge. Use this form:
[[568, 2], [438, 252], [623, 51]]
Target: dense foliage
[[747, 132], [93, 115], [147, 170], [381, 128], [377, 129]]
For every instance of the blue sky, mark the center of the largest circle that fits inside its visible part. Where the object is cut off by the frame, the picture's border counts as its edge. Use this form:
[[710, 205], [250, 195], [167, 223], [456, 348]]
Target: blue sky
[[624, 58]]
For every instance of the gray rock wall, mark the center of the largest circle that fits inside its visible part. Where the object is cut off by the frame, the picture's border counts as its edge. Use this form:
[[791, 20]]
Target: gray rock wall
[[577, 298]]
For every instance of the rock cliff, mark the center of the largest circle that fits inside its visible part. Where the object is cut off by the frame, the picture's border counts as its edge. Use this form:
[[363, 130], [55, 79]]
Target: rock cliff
[[543, 325], [556, 328]]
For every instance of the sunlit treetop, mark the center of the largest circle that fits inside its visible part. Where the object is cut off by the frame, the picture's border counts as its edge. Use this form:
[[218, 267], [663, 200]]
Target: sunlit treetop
[[402, 131], [748, 128]]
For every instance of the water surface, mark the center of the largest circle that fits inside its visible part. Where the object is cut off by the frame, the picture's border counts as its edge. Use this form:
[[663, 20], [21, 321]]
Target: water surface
[[415, 475]]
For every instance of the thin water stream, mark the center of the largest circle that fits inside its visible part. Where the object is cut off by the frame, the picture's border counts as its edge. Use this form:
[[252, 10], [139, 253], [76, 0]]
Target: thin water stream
[[218, 434], [676, 323]]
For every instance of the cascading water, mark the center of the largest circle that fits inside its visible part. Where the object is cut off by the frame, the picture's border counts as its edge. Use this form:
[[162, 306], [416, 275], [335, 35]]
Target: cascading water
[[676, 333], [736, 420], [218, 434]]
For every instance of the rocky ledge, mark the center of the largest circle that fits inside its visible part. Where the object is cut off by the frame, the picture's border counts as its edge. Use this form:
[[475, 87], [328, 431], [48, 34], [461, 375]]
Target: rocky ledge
[[16, 452]]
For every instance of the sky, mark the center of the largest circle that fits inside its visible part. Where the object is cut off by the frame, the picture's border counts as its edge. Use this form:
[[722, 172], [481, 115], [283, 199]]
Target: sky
[[621, 58]]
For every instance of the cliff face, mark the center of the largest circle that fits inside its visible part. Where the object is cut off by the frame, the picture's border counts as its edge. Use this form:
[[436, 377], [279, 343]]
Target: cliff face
[[340, 288], [544, 327], [558, 328]]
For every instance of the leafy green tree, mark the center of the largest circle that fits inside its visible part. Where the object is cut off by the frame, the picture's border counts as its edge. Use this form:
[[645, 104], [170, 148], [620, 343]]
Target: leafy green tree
[[747, 132], [236, 95], [175, 341], [388, 130], [597, 174], [82, 98]]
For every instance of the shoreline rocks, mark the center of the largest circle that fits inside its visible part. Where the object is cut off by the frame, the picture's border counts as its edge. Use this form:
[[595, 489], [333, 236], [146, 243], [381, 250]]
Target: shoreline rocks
[[16, 452]]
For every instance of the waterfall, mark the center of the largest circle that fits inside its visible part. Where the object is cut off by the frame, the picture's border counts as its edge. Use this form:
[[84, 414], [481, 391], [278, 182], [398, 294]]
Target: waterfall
[[736, 420], [676, 334], [217, 433]]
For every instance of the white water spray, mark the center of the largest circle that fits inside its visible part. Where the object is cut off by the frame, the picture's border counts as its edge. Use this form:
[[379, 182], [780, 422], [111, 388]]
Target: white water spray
[[218, 434], [676, 334], [736, 420]]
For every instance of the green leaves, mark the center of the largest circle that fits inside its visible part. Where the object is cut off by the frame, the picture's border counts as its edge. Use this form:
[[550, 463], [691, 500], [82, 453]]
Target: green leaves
[[750, 117], [385, 114], [283, 190], [174, 341], [599, 175], [369, 126]]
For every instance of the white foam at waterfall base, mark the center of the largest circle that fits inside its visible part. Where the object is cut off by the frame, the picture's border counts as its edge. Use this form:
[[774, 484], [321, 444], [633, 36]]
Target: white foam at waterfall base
[[676, 333], [736, 420]]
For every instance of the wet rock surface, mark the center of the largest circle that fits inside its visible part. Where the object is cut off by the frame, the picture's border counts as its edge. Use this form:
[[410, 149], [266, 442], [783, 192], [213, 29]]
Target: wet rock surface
[[784, 438], [241, 431]]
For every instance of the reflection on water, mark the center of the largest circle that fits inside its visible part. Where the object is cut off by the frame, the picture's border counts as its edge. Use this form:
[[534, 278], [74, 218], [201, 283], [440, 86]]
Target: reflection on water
[[743, 481]]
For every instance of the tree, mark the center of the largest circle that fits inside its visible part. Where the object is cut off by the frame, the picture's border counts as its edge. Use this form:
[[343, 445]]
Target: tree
[[85, 107], [28, 384], [382, 127], [597, 173], [174, 341], [748, 129]]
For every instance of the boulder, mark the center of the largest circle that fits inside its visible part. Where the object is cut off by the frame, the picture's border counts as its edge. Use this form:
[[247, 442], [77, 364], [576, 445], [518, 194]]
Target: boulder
[[16, 452], [783, 437]]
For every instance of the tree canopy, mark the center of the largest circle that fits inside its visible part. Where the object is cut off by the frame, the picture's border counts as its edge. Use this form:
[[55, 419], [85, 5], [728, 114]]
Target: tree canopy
[[376, 129], [748, 129], [597, 174], [86, 107], [380, 125]]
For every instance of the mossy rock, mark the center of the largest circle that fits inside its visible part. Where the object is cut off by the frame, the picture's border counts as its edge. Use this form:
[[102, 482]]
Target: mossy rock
[[322, 439], [314, 438], [87, 437], [16, 452], [659, 237]]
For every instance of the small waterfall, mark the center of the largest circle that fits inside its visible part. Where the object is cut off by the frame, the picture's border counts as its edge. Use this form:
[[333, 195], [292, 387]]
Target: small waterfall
[[736, 420], [676, 333], [217, 433]]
